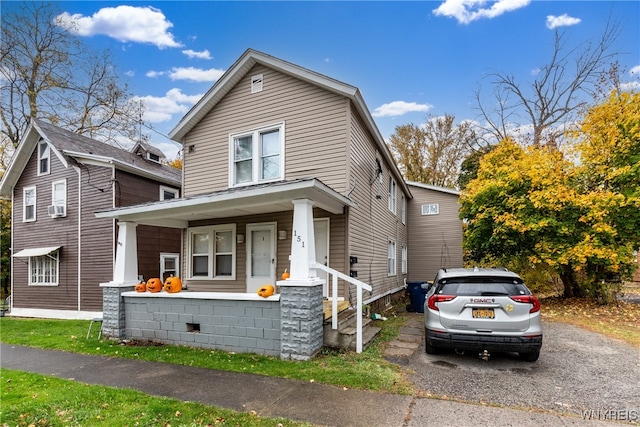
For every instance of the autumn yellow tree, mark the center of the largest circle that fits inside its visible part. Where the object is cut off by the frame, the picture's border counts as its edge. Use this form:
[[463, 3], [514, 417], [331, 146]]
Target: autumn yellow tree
[[432, 153], [578, 215]]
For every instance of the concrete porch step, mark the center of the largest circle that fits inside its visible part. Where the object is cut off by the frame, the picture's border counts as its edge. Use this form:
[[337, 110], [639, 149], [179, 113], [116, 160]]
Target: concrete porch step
[[345, 336]]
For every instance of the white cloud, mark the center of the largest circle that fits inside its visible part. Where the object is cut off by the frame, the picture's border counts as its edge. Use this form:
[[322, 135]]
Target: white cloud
[[204, 54], [195, 74], [153, 74], [635, 70], [162, 109], [398, 108], [630, 86], [467, 11], [123, 23], [129, 73], [564, 20]]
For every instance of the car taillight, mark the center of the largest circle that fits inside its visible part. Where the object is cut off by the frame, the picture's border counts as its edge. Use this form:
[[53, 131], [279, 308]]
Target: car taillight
[[434, 299], [528, 299]]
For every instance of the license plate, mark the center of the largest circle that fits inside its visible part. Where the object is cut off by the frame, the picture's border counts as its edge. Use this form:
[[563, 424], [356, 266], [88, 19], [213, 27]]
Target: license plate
[[483, 313]]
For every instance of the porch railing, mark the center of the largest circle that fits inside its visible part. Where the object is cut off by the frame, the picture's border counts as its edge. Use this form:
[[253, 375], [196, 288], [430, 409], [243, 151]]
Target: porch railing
[[335, 275]]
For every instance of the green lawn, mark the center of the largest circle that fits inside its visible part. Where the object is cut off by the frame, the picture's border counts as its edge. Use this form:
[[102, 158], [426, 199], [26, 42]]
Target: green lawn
[[37, 400], [367, 370]]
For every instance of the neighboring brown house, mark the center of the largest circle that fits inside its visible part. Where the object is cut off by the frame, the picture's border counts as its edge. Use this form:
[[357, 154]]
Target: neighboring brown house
[[266, 134], [61, 252], [435, 231]]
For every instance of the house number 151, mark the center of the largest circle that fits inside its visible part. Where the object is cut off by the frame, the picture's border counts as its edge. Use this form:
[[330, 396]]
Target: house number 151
[[298, 238]]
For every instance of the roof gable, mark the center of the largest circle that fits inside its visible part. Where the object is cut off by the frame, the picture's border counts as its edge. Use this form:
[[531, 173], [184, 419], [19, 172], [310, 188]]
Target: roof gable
[[244, 65], [66, 145]]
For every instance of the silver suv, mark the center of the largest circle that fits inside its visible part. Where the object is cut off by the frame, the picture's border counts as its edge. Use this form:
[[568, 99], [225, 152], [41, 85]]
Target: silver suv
[[484, 310]]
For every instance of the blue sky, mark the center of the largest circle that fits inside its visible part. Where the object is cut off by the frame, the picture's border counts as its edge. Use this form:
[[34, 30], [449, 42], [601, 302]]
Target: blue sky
[[409, 59]]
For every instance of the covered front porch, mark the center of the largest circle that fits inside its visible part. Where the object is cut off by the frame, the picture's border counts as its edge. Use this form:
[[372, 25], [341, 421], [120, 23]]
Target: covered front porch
[[234, 242]]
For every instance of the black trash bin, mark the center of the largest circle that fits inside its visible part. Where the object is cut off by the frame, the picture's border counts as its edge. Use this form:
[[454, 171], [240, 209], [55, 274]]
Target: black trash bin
[[417, 292]]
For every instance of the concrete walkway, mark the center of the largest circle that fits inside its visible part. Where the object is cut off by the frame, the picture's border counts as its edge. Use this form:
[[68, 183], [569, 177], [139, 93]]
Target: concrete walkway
[[297, 400]]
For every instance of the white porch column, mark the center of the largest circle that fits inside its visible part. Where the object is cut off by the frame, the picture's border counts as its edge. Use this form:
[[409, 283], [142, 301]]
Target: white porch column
[[125, 270], [301, 333], [303, 242]]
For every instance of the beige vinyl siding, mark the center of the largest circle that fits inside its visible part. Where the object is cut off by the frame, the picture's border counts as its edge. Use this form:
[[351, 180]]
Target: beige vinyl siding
[[435, 241], [315, 132], [284, 221], [371, 224]]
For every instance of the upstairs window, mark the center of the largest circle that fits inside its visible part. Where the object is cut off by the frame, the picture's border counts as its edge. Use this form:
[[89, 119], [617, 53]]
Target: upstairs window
[[403, 209], [44, 157], [257, 156], [168, 193], [59, 198], [29, 206], [431, 209], [392, 195]]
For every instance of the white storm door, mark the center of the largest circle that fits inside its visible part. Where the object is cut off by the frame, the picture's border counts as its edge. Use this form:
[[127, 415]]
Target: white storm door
[[321, 234], [261, 256]]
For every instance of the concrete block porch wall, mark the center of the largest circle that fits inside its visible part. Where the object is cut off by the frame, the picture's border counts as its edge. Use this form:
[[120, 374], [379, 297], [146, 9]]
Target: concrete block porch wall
[[243, 323]]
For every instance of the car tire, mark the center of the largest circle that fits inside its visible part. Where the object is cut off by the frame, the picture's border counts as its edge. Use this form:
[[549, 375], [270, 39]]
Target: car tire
[[429, 348], [530, 356]]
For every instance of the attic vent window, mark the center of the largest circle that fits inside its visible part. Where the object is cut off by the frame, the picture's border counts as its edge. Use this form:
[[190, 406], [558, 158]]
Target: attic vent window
[[256, 83], [153, 157]]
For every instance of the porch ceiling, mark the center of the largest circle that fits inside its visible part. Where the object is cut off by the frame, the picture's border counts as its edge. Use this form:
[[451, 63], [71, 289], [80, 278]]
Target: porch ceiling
[[259, 199]]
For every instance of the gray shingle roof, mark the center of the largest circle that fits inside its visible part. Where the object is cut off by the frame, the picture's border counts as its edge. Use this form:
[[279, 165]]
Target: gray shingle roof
[[68, 143]]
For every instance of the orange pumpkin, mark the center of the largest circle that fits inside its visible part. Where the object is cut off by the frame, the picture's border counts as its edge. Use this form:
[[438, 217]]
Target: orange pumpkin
[[266, 291], [285, 275], [154, 285], [172, 284], [141, 287]]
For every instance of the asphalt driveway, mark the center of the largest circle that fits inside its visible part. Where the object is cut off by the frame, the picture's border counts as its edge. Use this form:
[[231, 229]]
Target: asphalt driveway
[[577, 371]]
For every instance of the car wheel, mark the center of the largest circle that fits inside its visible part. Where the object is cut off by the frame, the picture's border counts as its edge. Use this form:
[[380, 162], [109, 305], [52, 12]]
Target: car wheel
[[428, 344], [530, 356]]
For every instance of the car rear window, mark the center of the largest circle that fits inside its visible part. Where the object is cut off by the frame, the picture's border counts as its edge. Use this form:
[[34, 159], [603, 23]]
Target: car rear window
[[482, 287]]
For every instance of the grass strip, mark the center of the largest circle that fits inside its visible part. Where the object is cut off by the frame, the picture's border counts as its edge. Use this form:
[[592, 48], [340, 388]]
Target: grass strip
[[39, 400]]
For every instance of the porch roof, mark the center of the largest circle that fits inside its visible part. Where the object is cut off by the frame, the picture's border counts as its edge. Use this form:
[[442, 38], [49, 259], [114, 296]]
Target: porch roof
[[234, 202]]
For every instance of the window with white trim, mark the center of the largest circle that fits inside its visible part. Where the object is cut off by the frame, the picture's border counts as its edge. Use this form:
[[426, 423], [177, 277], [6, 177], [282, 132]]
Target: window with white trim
[[167, 193], [392, 195], [169, 265], [212, 252], [404, 260], [44, 158], [391, 258], [431, 209], [403, 209], [29, 204], [257, 156], [43, 270], [59, 197]]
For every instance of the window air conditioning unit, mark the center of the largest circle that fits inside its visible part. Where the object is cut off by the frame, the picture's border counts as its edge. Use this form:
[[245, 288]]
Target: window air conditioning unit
[[55, 211]]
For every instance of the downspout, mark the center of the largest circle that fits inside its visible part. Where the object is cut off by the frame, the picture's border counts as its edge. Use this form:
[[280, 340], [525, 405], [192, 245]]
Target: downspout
[[77, 168], [13, 192], [114, 230]]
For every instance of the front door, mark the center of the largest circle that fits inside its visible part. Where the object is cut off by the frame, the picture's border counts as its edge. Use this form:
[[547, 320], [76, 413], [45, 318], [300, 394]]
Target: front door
[[261, 256], [321, 234]]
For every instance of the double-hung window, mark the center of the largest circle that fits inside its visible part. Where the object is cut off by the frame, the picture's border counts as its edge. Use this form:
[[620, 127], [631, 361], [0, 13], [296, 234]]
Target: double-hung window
[[29, 204], [44, 157], [257, 156], [43, 270], [392, 195], [391, 258], [59, 197], [212, 252]]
